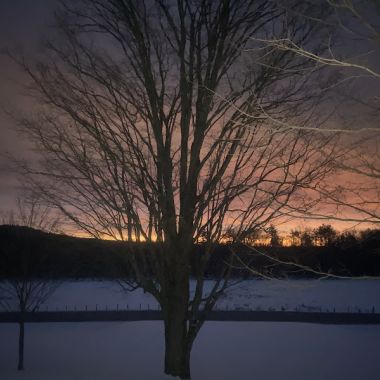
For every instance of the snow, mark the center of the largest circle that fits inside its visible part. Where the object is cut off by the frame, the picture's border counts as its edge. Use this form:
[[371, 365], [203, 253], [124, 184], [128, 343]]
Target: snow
[[305, 295], [223, 350]]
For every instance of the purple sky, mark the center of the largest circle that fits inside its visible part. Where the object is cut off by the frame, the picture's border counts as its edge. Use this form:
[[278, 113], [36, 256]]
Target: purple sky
[[23, 24]]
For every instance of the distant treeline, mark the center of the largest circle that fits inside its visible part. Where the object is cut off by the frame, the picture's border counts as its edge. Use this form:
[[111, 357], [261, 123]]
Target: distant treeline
[[25, 252], [321, 236]]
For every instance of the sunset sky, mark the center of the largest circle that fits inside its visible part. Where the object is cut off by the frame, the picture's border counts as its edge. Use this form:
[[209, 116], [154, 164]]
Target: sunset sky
[[22, 24]]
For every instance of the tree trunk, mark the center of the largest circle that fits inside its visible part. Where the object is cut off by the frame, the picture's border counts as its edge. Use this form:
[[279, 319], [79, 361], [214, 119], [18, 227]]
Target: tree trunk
[[20, 366], [175, 308], [177, 350]]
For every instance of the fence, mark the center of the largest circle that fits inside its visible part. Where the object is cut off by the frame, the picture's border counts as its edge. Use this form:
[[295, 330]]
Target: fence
[[226, 315], [148, 307]]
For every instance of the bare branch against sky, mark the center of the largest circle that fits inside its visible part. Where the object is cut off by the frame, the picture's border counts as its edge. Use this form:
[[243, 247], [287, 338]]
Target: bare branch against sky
[[172, 122], [354, 194], [151, 121]]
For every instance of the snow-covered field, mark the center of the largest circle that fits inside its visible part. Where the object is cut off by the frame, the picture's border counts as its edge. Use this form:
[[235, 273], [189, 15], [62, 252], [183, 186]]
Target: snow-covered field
[[223, 350], [343, 295]]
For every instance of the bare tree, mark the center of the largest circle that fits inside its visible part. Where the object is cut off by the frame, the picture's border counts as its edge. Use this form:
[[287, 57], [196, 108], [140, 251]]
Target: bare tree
[[354, 194], [325, 235], [275, 240], [153, 125], [21, 254], [31, 212], [350, 21]]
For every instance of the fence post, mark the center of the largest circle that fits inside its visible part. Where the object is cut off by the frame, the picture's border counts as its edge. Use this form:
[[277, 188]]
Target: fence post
[[117, 307]]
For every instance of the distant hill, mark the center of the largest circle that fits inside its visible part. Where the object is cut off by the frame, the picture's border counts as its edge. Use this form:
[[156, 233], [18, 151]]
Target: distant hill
[[29, 252]]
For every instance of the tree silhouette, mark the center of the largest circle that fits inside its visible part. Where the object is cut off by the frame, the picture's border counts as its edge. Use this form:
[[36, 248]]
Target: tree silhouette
[[295, 237], [325, 235], [154, 126], [306, 239], [355, 25], [21, 290], [275, 240]]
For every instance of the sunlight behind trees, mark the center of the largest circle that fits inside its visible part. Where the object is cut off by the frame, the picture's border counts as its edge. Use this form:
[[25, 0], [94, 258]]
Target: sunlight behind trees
[[171, 123]]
